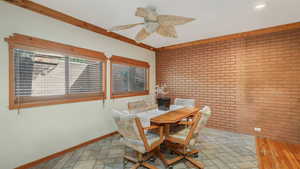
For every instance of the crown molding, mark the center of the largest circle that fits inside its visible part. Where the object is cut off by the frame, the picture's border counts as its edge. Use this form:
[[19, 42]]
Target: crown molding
[[35, 7], [234, 36]]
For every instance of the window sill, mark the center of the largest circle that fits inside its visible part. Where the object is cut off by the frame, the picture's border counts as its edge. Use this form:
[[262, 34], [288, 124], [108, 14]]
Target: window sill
[[54, 102], [131, 94]]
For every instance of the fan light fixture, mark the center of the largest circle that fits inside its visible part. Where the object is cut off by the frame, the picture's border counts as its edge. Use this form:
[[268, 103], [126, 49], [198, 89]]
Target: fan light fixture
[[164, 25]]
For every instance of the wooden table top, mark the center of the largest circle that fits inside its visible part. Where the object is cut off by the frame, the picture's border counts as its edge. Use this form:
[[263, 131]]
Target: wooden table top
[[174, 116]]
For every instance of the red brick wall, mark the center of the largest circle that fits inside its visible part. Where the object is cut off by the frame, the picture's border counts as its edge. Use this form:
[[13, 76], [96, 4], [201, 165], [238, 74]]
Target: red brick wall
[[249, 82]]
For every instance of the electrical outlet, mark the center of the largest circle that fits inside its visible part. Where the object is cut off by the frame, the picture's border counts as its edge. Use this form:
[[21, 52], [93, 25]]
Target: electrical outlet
[[257, 129]]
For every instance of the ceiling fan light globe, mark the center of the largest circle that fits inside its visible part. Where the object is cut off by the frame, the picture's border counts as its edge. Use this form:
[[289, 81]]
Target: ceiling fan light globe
[[151, 27]]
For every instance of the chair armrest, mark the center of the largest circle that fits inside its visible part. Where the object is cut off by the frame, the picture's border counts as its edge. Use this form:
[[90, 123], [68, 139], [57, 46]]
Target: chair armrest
[[189, 123], [161, 138], [186, 123], [151, 127], [160, 130]]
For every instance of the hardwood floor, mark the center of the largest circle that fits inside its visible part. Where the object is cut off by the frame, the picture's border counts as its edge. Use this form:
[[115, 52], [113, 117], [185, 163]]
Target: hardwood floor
[[277, 155]]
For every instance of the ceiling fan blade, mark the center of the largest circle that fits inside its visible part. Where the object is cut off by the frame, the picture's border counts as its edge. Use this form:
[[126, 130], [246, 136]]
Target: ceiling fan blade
[[167, 31], [141, 12], [149, 14], [173, 20], [122, 27], [143, 34]]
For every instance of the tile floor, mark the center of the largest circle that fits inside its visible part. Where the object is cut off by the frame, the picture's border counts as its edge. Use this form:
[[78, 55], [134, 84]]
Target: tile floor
[[219, 150]]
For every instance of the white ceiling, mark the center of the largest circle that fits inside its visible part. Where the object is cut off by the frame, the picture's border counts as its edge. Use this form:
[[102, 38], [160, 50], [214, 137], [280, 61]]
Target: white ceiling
[[213, 17]]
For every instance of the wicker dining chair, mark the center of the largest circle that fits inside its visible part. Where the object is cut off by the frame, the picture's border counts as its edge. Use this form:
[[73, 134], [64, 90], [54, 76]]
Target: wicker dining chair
[[134, 136], [184, 102], [184, 141]]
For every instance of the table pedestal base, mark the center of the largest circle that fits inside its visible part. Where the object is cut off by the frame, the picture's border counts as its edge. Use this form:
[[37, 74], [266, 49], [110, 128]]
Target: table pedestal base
[[182, 154]]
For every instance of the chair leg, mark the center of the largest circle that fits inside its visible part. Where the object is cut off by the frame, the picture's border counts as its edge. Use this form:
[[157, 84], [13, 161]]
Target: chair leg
[[131, 159], [137, 162], [139, 156], [195, 162], [168, 163], [183, 154], [162, 158], [143, 164], [148, 156], [147, 165], [137, 165], [193, 152]]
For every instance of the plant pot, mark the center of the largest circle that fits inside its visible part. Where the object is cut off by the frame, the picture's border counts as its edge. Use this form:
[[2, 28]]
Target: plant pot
[[163, 103]]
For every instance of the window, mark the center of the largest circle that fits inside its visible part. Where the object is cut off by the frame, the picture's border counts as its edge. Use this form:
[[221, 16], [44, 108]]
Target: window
[[129, 77], [44, 74]]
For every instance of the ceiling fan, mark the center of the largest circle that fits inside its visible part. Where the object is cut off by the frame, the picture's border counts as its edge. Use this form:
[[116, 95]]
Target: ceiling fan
[[164, 25]]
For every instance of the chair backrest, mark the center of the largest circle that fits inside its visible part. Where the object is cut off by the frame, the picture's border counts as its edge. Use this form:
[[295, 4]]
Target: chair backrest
[[193, 128], [140, 106], [126, 125], [137, 105], [199, 123], [205, 115], [185, 102]]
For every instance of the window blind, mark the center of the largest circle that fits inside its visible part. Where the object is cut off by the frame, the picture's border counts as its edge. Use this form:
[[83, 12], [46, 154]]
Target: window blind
[[46, 76], [85, 76]]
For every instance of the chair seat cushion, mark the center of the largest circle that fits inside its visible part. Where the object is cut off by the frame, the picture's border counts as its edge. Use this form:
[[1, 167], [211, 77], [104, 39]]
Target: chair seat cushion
[[138, 145], [181, 134]]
